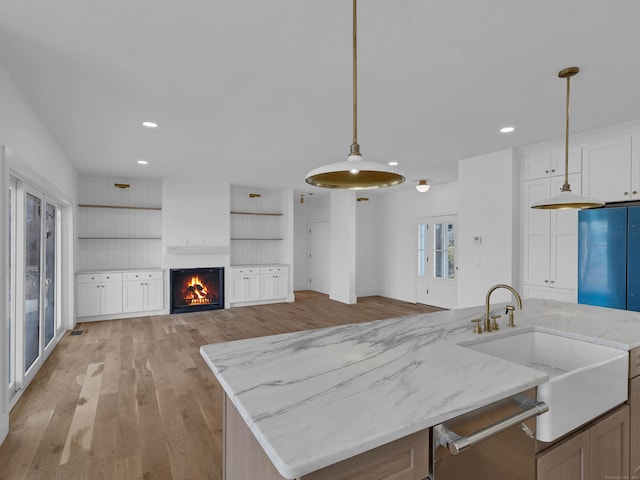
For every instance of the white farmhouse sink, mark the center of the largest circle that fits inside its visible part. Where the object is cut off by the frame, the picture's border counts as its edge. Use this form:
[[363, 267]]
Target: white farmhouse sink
[[585, 380]]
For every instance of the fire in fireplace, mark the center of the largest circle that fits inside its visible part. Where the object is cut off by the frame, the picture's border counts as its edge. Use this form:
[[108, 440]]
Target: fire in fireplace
[[197, 289]]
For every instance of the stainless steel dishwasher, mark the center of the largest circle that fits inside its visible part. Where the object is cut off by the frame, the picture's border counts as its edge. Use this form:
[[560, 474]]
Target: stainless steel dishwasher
[[496, 442]]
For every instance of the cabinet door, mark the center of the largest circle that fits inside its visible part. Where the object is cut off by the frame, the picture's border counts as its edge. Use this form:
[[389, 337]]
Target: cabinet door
[[252, 289], [133, 296], [267, 286], [154, 295], [634, 426], [237, 289], [88, 300], [575, 163], [536, 166], [563, 254], [281, 285], [567, 461], [606, 170], [536, 239], [111, 300], [602, 256], [610, 446], [633, 259]]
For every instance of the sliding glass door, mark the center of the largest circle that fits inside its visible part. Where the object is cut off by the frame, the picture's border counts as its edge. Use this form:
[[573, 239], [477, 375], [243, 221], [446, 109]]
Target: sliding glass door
[[36, 294], [11, 309]]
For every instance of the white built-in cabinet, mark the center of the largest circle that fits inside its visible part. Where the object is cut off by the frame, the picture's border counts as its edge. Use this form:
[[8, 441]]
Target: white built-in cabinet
[[105, 294], [142, 291], [99, 294], [245, 284], [550, 237], [611, 169], [259, 284]]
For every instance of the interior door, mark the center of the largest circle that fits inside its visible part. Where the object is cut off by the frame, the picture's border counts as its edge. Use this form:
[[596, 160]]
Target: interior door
[[318, 256], [436, 282]]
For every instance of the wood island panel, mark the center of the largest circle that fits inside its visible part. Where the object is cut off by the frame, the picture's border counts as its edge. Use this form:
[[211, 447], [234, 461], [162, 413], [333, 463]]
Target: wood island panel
[[403, 459]]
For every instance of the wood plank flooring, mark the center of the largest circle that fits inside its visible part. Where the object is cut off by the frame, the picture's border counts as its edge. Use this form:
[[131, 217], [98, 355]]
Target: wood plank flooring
[[133, 399]]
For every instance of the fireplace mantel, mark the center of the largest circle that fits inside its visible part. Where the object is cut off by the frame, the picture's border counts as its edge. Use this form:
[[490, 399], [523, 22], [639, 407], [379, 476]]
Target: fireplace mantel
[[198, 250]]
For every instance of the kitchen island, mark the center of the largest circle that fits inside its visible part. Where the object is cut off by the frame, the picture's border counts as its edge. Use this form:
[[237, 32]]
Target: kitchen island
[[314, 398]]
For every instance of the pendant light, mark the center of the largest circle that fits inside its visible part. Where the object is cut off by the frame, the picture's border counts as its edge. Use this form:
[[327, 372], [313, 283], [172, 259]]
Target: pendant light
[[566, 199], [355, 173], [422, 186]]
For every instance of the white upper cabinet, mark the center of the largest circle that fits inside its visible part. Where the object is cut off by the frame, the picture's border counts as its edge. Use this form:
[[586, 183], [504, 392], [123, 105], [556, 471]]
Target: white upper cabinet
[[550, 164], [609, 171]]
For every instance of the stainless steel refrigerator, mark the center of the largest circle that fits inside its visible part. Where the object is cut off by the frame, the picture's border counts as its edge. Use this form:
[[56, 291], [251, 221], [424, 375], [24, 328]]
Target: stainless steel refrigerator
[[609, 257]]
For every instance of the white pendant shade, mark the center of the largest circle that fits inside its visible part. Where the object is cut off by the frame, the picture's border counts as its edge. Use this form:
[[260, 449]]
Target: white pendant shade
[[567, 200], [355, 174]]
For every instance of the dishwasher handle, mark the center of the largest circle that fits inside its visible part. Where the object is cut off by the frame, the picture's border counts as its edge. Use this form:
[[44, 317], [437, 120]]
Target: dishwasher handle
[[457, 444]]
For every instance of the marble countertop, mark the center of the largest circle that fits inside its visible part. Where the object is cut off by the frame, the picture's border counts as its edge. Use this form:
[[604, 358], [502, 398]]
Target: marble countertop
[[316, 397]]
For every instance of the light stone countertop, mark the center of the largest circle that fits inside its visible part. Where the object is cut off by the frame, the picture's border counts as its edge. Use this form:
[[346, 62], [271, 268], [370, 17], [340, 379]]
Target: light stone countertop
[[316, 397]]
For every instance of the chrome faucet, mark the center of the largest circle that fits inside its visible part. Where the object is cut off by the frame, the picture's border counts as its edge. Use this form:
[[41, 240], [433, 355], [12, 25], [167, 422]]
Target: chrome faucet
[[487, 317]]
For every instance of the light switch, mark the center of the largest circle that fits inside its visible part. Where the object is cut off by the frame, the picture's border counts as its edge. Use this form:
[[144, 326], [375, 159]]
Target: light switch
[[477, 239]]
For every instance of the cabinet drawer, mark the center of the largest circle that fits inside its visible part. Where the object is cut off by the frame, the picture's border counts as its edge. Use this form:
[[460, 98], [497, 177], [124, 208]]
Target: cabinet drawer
[[143, 276], [244, 270], [274, 270], [99, 277], [634, 362]]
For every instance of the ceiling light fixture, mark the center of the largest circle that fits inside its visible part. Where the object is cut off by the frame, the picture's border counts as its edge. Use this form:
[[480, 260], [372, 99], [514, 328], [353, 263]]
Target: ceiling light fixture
[[507, 129], [355, 173], [301, 199], [393, 164], [142, 162], [566, 199], [150, 124], [422, 186]]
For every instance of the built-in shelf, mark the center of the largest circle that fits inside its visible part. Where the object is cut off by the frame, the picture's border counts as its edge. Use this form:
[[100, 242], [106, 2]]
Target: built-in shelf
[[255, 213], [119, 238], [257, 239], [86, 205]]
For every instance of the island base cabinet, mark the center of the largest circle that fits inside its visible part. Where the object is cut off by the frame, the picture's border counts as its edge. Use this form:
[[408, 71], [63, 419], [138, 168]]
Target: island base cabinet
[[601, 452], [403, 459], [634, 425]]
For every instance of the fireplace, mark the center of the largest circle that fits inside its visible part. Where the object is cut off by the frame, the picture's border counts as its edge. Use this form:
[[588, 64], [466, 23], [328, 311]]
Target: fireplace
[[197, 289]]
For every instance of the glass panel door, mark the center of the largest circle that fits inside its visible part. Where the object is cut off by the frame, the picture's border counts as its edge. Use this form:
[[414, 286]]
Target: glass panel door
[[50, 309], [32, 274], [12, 296]]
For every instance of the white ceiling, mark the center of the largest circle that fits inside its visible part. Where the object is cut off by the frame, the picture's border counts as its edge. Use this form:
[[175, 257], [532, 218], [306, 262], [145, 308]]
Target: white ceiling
[[262, 90]]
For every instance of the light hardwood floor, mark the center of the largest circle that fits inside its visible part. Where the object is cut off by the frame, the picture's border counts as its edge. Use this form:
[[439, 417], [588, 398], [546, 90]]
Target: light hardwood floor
[[133, 399]]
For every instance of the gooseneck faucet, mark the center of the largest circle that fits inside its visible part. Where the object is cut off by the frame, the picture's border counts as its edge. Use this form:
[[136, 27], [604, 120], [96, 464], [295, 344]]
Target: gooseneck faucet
[[487, 315]]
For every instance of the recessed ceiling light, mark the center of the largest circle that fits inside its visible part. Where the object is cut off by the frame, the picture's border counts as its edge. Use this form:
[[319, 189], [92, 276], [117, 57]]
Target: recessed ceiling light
[[142, 162], [507, 130], [150, 124], [393, 164]]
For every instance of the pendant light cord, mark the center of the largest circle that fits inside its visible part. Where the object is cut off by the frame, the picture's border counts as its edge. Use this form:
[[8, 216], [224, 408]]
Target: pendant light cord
[[355, 148], [566, 187]]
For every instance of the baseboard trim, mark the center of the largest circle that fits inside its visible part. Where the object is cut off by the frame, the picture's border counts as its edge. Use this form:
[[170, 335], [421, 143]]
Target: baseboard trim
[[4, 426]]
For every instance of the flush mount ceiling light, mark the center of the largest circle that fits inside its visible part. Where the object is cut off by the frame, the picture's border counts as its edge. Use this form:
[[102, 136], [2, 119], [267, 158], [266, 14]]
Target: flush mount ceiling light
[[393, 164], [355, 173], [422, 186], [142, 162], [150, 124], [507, 129], [566, 199]]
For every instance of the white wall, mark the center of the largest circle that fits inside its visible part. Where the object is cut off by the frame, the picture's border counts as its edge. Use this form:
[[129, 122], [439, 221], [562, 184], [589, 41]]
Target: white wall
[[488, 204], [316, 208], [342, 273], [396, 230], [195, 213], [33, 154]]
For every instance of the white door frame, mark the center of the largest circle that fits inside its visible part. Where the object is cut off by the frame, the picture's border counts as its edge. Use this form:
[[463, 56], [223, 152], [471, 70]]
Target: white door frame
[[442, 292]]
